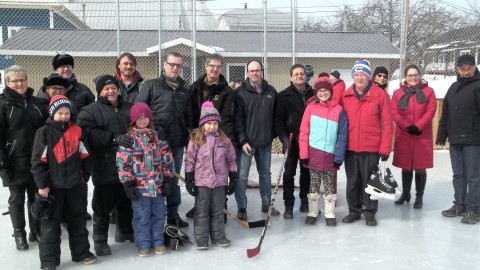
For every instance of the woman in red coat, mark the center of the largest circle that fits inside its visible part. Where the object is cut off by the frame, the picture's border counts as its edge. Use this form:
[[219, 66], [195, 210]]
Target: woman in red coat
[[413, 108]]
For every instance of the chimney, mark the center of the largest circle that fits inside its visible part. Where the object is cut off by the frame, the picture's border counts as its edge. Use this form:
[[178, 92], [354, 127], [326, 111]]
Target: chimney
[[245, 5]]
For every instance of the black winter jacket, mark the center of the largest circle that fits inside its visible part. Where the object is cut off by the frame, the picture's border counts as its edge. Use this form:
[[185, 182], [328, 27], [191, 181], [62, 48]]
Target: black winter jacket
[[254, 114], [59, 159], [460, 120], [131, 91], [223, 99], [289, 110], [20, 118], [172, 110], [101, 122]]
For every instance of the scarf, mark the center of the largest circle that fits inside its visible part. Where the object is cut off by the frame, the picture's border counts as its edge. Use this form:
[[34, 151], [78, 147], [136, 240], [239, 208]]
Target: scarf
[[173, 84], [415, 90]]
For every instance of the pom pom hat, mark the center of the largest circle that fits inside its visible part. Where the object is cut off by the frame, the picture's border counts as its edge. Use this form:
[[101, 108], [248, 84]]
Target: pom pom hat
[[140, 109], [362, 65], [208, 113]]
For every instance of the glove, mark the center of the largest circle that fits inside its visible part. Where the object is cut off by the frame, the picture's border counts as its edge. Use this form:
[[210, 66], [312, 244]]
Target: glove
[[233, 183], [304, 161], [337, 165], [42, 207], [124, 140], [6, 176], [131, 191], [167, 185], [191, 188], [413, 130], [384, 157], [286, 145]]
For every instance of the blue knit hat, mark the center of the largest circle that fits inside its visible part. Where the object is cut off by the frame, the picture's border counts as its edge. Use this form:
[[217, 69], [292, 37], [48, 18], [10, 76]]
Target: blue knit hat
[[362, 65], [209, 113]]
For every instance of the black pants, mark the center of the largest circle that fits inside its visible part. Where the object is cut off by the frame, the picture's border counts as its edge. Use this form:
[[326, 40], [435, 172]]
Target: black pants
[[289, 175], [16, 203], [208, 219], [358, 168], [72, 203], [107, 197]]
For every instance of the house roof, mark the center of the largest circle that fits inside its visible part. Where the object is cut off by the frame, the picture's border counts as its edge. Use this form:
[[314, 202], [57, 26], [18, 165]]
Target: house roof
[[253, 18], [227, 43], [457, 37]]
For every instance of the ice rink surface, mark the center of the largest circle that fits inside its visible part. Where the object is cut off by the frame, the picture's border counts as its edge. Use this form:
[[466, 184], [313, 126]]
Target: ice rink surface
[[405, 238]]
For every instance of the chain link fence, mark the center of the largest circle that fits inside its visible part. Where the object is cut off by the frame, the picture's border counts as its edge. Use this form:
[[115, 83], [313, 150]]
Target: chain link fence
[[326, 36]]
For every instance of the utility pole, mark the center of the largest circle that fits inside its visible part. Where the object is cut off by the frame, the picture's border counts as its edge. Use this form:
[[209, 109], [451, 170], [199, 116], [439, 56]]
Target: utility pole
[[404, 35]]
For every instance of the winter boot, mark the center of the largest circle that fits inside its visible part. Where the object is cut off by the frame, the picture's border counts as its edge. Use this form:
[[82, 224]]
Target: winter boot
[[329, 213], [407, 178], [34, 224], [304, 205], [100, 235], [288, 214], [420, 182], [122, 237], [312, 208], [190, 213], [20, 239]]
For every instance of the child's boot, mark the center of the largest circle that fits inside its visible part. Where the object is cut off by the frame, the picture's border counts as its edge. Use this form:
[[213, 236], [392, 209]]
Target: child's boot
[[329, 202], [312, 208]]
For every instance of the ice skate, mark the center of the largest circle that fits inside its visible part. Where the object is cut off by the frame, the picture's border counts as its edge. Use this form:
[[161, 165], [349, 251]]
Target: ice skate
[[175, 232], [378, 188], [389, 179]]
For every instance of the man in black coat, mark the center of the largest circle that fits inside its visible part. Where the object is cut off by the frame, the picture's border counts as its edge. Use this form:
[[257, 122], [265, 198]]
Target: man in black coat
[[21, 115], [291, 104], [169, 100], [105, 123]]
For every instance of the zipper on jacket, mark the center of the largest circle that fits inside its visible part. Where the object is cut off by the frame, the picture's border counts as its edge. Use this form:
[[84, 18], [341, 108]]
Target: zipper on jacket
[[41, 115], [12, 147], [11, 112]]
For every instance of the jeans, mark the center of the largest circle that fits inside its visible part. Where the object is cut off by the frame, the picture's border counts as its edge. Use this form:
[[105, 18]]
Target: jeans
[[263, 158], [174, 198], [466, 176], [148, 221]]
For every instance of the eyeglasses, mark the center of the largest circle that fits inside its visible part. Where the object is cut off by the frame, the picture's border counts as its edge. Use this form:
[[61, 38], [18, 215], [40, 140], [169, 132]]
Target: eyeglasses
[[255, 70], [56, 89], [18, 81], [172, 65], [214, 66], [298, 75], [382, 76], [412, 75], [323, 92]]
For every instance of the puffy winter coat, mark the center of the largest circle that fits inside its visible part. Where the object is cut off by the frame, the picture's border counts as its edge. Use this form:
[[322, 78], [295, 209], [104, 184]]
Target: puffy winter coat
[[131, 91], [338, 89], [101, 122], [20, 118], [254, 114], [211, 162], [223, 99], [323, 135], [460, 121], [370, 126], [146, 163], [289, 110], [410, 151], [171, 109], [60, 159]]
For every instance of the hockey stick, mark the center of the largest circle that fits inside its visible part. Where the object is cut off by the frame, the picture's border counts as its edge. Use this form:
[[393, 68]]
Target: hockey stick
[[252, 252], [245, 224]]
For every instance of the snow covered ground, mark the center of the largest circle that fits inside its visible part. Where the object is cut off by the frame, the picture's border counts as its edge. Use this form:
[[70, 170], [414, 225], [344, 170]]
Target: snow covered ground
[[405, 238]]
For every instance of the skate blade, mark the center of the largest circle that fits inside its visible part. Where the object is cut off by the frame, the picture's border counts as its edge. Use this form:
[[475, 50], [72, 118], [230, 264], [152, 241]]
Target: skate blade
[[376, 195]]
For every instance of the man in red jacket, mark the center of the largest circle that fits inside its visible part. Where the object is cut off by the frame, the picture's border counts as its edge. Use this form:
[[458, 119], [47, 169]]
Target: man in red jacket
[[370, 137]]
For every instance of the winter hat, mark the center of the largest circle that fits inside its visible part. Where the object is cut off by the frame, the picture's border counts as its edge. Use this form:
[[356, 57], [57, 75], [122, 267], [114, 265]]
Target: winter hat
[[140, 109], [335, 74], [103, 80], [323, 81], [55, 79], [56, 102], [362, 65], [309, 70], [62, 60], [465, 59], [378, 70], [209, 113]]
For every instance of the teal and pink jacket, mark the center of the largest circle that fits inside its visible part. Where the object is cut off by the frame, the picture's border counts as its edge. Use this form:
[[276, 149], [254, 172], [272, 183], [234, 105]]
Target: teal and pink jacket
[[323, 135]]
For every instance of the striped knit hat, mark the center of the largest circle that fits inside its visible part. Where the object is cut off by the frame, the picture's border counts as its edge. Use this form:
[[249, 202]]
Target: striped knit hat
[[56, 102], [209, 113], [362, 65]]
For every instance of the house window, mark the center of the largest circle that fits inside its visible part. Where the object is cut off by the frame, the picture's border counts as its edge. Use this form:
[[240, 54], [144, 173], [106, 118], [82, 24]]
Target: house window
[[236, 71], [13, 29], [1, 35]]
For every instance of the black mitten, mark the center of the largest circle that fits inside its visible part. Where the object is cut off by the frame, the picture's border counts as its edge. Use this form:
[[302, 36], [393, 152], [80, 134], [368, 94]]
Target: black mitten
[[131, 190], [305, 161], [286, 145], [167, 185], [42, 207], [233, 182], [191, 188], [337, 165], [123, 140], [384, 157], [6, 177]]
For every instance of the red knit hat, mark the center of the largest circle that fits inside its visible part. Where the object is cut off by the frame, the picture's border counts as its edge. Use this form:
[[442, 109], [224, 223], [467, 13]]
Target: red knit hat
[[323, 81], [140, 109]]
